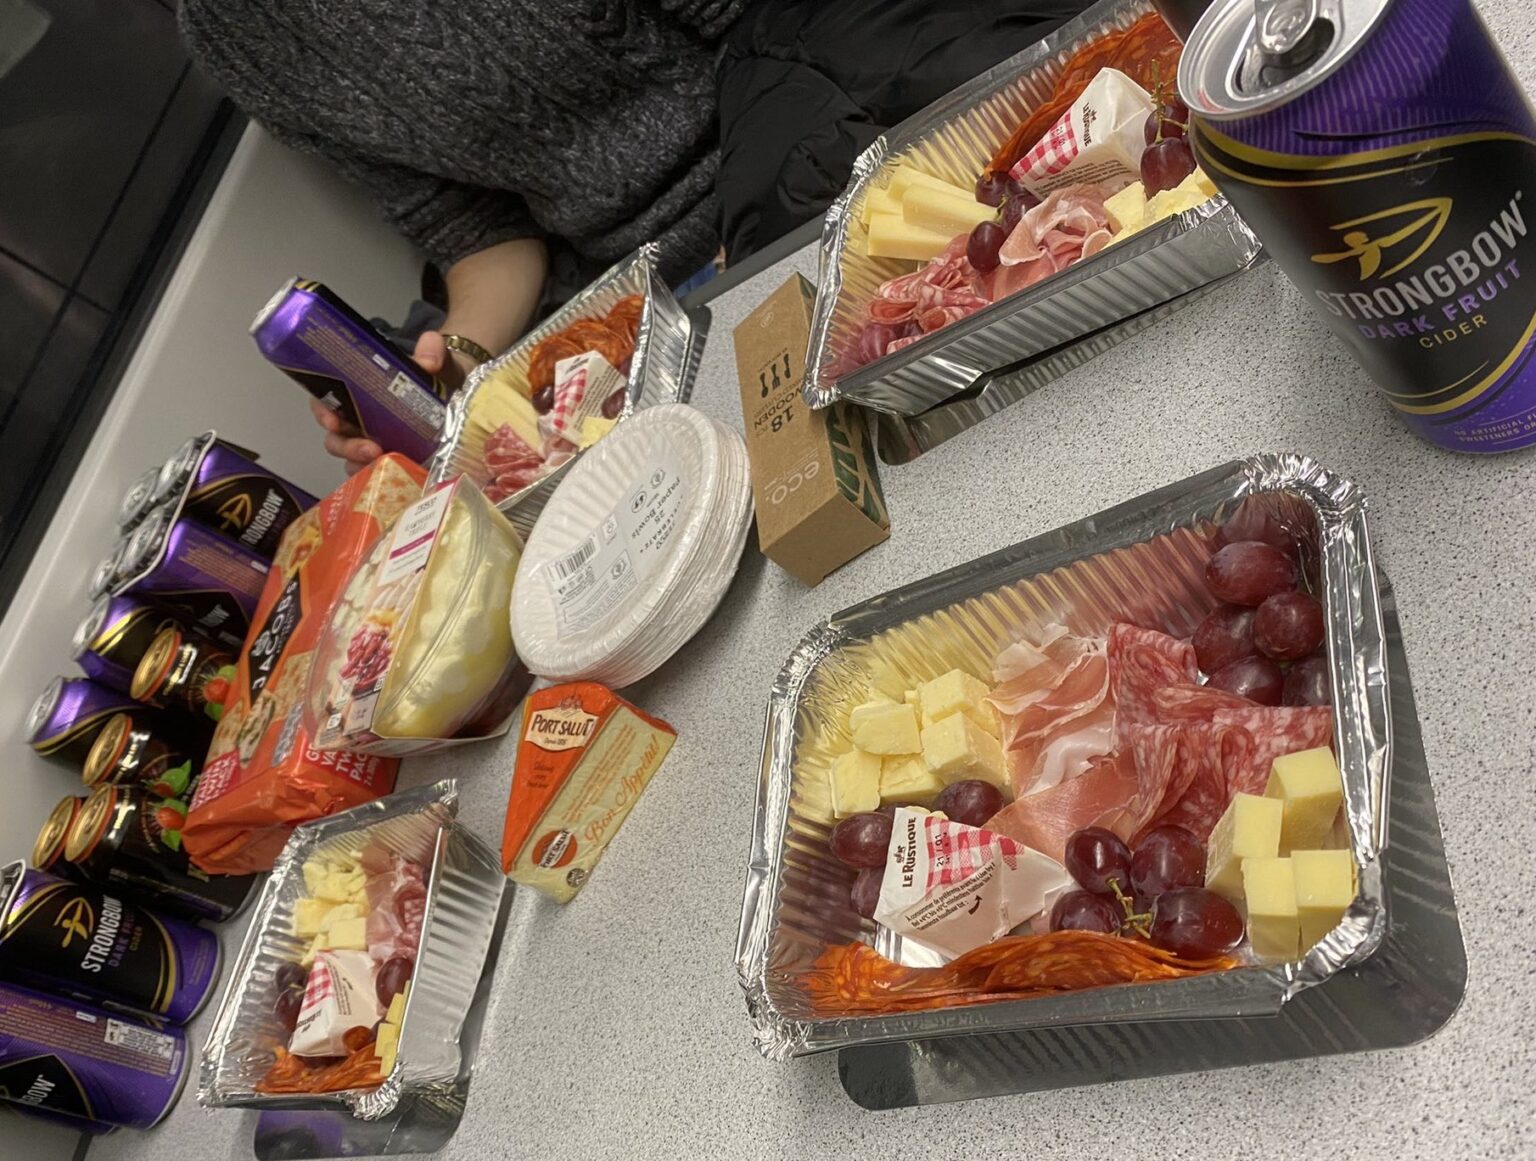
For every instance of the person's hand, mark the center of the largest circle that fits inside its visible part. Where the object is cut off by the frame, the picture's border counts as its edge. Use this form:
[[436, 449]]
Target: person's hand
[[343, 440], [433, 357]]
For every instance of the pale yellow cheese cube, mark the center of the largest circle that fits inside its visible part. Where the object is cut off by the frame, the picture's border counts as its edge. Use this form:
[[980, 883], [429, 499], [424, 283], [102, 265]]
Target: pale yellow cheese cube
[[1325, 887], [340, 913], [906, 176], [396, 1013], [958, 692], [1274, 924], [906, 780], [855, 783], [309, 915], [1249, 828], [316, 945], [1170, 202], [883, 728], [891, 236], [1202, 182], [957, 748], [349, 935], [1310, 787], [593, 428], [1127, 207], [316, 871]]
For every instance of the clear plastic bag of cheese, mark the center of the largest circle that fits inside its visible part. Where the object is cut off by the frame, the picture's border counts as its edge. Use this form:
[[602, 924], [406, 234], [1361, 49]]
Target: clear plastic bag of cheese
[[418, 651]]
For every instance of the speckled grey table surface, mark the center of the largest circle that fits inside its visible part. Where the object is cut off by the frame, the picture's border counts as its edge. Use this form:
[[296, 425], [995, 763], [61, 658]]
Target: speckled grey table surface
[[616, 1027]]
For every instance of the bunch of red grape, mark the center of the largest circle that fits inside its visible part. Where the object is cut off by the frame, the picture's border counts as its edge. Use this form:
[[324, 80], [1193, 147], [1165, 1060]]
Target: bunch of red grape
[[861, 840], [367, 655], [1167, 159], [1012, 199], [1265, 643], [1157, 893]]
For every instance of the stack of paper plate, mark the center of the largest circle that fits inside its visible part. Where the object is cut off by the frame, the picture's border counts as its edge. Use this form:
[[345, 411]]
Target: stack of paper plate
[[634, 550]]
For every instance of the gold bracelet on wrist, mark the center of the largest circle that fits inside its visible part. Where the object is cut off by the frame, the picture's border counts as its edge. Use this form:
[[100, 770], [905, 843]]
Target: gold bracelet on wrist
[[467, 347]]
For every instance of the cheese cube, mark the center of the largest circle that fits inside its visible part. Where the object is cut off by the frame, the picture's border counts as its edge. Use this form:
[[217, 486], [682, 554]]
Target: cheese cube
[[1250, 828], [1325, 887], [340, 913], [855, 783], [1309, 785], [1202, 182], [1127, 207], [906, 779], [1274, 925], [887, 727], [913, 699], [943, 213], [396, 1013], [309, 915], [957, 748], [316, 871], [318, 944], [891, 236], [348, 935], [958, 692], [878, 201], [906, 176], [388, 1038], [1170, 202], [593, 428]]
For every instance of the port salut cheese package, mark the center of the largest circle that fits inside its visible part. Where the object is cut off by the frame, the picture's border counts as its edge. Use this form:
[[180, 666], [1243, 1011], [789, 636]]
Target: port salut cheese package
[[263, 775], [584, 758]]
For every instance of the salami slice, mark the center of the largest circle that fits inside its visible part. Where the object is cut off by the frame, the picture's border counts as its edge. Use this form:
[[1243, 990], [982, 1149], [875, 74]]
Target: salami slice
[[1272, 731], [1141, 662], [1194, 703]]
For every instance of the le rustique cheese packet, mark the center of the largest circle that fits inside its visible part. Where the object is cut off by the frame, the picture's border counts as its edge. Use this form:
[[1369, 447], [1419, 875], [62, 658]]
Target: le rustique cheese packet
[[584, 757]]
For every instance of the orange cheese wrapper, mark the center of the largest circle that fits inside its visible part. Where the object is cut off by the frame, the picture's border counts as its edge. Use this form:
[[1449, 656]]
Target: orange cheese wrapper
[[584, 758], [263, 777]]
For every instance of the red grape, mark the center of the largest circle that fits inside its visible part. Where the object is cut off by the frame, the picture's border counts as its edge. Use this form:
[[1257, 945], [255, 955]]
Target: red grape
[[614, 404], [1306, 682], [1254, 521], [1247, 571], [992, 189], [1085, 911], [1288, 626], [1171, 116], [1096, 857], [290, 975], [394, 973], [1016, 207], [985, 241], [860, 840], [287, 1006], [1256, 678], [544, 399], [1165, 164], [1224, 637], [1196, 923], [865, 892], [1168, 857], [970, 801]]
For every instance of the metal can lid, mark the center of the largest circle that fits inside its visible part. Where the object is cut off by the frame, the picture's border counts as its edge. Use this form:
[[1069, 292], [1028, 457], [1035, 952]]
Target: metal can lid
[[86, 631], [155, 665], [180, 466], [107, 749], [144, 545], [43, 707], [105, 576], [55, 830], [273, 303], [137, 498], [90, 823]]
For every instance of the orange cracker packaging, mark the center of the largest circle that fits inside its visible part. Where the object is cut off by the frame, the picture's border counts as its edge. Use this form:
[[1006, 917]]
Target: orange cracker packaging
[[263, 777], [583, 760]]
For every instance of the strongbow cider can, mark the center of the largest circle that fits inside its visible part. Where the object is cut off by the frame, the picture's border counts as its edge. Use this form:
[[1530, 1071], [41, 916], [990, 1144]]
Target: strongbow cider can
[[231, 493], [69, 713], [146, 748], [309, 333], [48, 849], [1382, 151], [113, 638], [86, 1062], [208, 579], [79, 941]]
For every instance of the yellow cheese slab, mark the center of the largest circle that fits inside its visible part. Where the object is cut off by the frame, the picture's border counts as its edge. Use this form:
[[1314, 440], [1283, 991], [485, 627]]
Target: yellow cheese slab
[[502, 401], [396, 1013], [1249, 828], [958, 692], [855, 783], [1126, 208], [957, 748], [1325, 887], [891, 236], [943, 213], [387, 1041], [1274, 925], [878, 201], [907, 176], [1310, 788], [906, 780], [885, 728]]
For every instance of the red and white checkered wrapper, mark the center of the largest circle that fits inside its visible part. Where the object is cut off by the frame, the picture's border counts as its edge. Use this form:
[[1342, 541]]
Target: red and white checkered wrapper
[[582, 384], [338, 997], [1099, 139], [953, 887]]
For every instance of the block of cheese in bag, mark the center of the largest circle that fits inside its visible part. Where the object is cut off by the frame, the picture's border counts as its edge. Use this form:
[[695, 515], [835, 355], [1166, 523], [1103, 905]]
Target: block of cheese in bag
[[584, 758]]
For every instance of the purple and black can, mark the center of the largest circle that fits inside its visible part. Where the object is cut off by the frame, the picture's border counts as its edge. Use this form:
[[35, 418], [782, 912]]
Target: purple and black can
[[76, 1124], [108, 570], [115, 635], [338, 357], [48, 849], [127, 839], [76, 940], [86, 1062], [229, 492], [1382, 159], [69, 713], [148, 748], [212, 581]]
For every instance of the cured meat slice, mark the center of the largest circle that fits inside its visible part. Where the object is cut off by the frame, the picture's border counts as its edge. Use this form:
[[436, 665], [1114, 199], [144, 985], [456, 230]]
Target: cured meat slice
[[1270, 731], [1141, 662], [1194, 703], [1045, 821], [1051, 700]]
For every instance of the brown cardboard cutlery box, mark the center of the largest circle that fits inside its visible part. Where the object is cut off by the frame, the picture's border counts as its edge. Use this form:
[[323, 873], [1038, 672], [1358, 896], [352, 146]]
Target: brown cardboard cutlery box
[[818, 498]]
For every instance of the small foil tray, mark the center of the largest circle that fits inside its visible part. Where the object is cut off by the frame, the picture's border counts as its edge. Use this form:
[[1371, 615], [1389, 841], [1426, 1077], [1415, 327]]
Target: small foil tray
[[954, 138], [1141, 561], [464, 893], [661, 370]]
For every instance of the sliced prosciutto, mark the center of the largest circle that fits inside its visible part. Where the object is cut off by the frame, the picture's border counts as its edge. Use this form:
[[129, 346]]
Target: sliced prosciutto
[[1046, 820], [1052, 703]]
